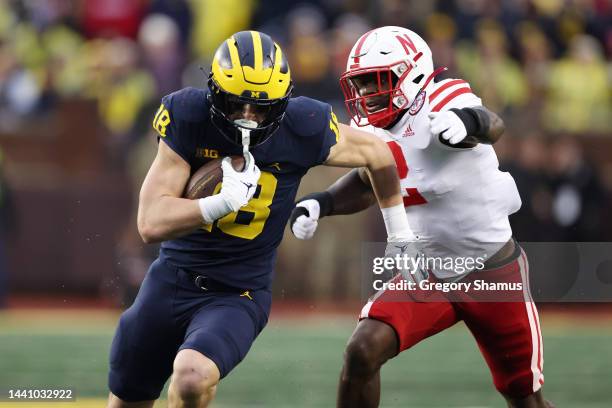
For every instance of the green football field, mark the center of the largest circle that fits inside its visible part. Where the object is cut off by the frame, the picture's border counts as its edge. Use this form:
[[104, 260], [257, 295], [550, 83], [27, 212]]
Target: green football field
[[296, 361]]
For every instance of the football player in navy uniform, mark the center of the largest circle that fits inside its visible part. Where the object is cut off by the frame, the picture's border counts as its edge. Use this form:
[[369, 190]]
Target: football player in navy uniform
[[207, 296]]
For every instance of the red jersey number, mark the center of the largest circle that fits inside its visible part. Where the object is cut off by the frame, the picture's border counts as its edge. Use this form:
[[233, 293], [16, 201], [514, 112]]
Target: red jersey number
[[414, 197]]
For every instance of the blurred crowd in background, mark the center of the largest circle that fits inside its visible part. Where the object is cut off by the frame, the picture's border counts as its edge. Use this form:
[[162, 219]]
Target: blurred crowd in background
[[544, 65]]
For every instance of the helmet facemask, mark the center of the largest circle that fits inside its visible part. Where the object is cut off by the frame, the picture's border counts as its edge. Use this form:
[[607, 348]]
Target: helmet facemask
[[225, 105], [374, 95]]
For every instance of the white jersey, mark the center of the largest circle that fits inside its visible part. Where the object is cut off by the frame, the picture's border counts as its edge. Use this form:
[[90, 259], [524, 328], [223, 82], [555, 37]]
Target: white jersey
[[457, 200]]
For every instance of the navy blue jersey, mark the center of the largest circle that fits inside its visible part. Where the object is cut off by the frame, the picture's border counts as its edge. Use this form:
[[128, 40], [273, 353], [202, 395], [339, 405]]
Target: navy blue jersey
[[240, 248]]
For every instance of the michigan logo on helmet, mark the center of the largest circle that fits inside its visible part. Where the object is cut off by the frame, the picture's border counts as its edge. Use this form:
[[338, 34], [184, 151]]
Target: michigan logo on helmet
[[386, 70], [249, 68]]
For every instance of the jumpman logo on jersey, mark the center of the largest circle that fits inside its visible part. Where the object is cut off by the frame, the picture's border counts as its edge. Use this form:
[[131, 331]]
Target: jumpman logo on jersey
[[249, 187], [247, 294]]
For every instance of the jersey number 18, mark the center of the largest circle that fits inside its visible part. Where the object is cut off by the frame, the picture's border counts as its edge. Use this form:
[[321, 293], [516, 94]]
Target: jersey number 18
[[258, 209]]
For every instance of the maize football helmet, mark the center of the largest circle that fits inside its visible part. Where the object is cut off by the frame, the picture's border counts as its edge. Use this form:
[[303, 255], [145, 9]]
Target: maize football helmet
[[249, 68]]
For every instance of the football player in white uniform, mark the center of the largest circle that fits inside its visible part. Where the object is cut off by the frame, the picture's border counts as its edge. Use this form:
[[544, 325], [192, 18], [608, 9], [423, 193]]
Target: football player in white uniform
[[457, 202]]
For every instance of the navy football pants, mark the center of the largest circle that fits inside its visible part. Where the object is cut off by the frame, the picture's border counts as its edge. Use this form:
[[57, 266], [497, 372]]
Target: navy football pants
[[170, 314]]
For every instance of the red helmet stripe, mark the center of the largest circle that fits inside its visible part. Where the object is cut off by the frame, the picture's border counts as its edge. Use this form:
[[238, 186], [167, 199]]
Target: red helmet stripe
[[358, 49]]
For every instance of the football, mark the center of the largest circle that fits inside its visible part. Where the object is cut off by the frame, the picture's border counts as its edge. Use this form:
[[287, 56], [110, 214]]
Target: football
[[203, 182]]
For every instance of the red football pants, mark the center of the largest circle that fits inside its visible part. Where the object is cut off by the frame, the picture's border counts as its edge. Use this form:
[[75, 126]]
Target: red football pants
[[508, 333]]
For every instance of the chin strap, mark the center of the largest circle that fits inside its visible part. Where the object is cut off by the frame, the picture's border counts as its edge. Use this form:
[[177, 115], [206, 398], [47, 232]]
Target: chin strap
[[429, 79], [246, 126], [246, 140]]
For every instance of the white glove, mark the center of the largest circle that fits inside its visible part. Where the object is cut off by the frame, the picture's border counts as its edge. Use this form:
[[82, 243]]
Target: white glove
[[239, 186], [407, 247], [448, 125], [304, 226], [237, 189]]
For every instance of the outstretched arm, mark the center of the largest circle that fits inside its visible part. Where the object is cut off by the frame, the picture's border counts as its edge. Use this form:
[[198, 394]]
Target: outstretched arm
[[375, 179], [360, 149], [352, 193]]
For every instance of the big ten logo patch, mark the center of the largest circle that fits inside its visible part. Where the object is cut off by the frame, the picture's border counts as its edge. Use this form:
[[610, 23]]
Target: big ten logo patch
[[203, 152]]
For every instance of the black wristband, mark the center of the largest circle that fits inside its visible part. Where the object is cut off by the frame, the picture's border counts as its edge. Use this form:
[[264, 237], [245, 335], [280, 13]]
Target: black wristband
[[476, 121], [325, 199]]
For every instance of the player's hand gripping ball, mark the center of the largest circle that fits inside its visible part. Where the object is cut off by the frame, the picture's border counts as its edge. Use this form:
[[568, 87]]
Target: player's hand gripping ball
[[203, 182], [239, 186], [238, 176]]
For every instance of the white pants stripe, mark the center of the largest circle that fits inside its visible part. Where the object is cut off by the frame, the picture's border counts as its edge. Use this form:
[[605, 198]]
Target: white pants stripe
[[537, 359]]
